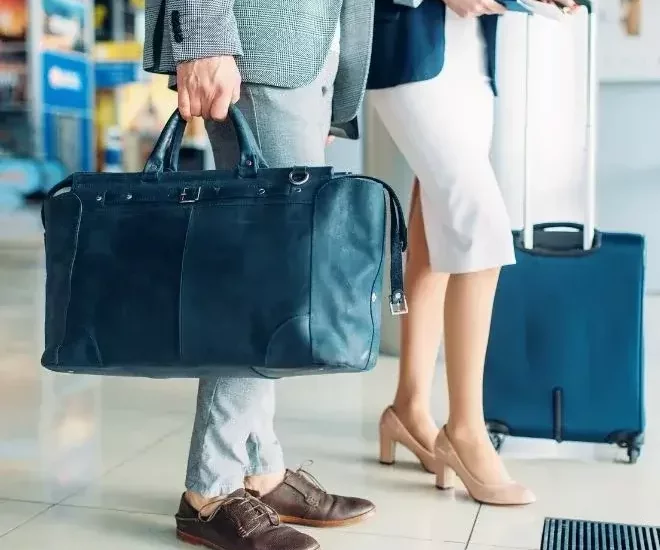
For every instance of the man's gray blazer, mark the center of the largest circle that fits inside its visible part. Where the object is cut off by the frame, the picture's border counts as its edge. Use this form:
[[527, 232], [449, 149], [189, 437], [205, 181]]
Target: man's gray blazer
[[281, 43]]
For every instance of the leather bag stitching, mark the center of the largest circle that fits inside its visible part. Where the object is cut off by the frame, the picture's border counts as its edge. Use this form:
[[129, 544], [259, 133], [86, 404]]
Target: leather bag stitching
[[183, 260], [277, 331], [71, 269]]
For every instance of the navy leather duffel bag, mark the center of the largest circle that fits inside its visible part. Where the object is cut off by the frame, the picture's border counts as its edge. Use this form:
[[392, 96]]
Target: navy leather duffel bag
[[252, 272]]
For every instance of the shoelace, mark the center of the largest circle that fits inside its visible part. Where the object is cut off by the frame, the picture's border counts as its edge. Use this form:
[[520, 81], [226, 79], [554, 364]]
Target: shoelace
[[305, 474], [247, 512]]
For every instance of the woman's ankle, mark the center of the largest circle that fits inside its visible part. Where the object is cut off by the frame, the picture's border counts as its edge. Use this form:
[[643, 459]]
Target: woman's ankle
[[466, 432], [412, 406]]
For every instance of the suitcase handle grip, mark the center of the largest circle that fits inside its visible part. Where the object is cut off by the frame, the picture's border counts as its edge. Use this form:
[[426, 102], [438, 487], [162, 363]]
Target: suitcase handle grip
[[559, 239], [585, 3], [558, 225], [165, 154]]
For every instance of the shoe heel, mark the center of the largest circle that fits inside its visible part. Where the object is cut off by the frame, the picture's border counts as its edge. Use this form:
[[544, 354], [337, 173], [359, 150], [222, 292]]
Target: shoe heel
[[445, 477], [387, 449]]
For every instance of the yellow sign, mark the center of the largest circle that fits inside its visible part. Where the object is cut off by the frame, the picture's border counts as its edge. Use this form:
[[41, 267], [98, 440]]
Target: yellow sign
[[101, 13], [118, 51]]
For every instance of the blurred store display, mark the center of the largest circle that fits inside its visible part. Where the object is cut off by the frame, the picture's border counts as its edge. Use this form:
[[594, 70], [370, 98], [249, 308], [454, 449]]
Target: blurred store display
[[629, 40], [64, 27], [45, 129], [91, 107], [113, 150]]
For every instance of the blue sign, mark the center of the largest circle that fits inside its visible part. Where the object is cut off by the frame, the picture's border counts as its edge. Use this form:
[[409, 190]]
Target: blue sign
[[66, 81], [111, 74]]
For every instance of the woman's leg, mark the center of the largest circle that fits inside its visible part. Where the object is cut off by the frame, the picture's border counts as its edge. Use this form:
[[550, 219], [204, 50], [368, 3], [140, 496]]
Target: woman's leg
[[467, 301], [443, 128], [468, 307], [421, 332]]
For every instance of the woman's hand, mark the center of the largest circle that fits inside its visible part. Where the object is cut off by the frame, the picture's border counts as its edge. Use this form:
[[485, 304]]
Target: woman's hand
[[569, 5], [475, 8]]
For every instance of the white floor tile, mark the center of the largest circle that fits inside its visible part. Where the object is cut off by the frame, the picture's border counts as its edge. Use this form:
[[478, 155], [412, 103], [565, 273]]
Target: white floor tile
[[58, 438], [340, 540], [21, 228], [151, 482], [63, 528], [589, 490], [14, 514]]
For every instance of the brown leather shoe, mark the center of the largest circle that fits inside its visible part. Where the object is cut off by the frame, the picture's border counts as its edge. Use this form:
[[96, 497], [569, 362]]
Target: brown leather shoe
[[240, 522], [301, 500]]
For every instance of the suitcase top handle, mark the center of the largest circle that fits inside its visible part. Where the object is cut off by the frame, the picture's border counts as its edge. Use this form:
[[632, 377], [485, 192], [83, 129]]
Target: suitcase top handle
[[585, 3], [165, 155]]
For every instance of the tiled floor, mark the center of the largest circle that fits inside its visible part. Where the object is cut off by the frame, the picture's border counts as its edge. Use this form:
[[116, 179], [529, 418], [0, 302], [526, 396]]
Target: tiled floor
[[94, 463]]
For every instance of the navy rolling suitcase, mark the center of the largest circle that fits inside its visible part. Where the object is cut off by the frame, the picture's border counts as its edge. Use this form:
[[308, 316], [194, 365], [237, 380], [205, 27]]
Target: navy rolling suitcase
[[565, 359]]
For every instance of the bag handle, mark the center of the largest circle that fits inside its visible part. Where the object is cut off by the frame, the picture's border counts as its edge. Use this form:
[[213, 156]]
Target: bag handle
[[165, 154], [589, 228]]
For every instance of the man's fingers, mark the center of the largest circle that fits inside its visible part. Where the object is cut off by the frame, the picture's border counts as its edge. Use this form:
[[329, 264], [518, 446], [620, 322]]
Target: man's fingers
[[207, 99], [184, 103], [207, 87], [220, 107], [236, 95], [195, 102], [569, 6]]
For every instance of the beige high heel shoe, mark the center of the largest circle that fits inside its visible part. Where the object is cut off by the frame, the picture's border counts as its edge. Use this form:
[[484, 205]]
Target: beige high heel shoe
[[449, 464], [393, 433]]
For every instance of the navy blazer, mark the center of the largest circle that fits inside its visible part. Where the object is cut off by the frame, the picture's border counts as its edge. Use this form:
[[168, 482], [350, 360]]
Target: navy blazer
[[409, 43]]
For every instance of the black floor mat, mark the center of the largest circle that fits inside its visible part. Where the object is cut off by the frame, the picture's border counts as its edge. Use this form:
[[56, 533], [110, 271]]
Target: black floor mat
[[571, 534]]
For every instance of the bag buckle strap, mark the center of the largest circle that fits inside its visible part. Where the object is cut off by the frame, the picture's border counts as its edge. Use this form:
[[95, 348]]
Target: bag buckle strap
[[190, 194], [398, 303], [398, 245]]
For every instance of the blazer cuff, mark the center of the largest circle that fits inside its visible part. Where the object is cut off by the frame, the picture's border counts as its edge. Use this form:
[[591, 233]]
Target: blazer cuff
[[196, 36]]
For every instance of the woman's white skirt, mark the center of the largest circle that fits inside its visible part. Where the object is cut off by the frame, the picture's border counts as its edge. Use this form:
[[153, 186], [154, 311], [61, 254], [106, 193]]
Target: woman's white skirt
[[443, 127]]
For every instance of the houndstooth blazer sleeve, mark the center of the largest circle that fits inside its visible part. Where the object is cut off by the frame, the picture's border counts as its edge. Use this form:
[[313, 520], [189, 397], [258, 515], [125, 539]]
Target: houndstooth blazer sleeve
[[183, 30]]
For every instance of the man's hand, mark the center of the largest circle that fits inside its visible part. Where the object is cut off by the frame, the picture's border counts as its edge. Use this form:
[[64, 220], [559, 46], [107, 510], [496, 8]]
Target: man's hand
[[475, 8], [207, 87]]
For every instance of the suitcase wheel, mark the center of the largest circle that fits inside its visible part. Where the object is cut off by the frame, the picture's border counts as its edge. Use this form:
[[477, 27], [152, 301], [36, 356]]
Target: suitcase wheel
[[497, 431], [632, 442], [633, 455], [497, 440], [634, 446]]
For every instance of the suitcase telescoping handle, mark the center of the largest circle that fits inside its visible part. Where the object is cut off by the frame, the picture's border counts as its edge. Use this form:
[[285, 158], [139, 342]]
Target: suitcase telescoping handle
[[589, 228]]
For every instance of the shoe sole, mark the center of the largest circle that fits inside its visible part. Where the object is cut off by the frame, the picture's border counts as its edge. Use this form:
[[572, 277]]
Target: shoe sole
[[490, 503], [421, 465], [196, 541], [325, 523]]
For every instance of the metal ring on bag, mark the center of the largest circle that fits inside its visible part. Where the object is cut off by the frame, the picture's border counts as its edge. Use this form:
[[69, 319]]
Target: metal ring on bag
[[298, 176]]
